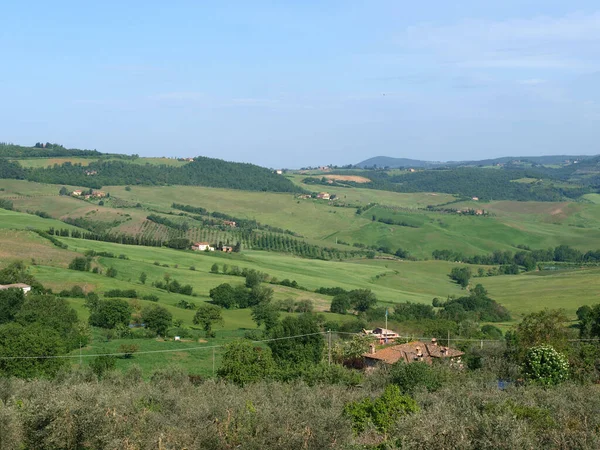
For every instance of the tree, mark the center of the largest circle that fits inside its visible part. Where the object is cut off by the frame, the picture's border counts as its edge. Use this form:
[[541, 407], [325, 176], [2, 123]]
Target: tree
[[63, 191], [260, 294], [224, 296], [589, 321], [545, 327], [252, 279], [110, 313], [340, 304], [80, 263], [265, 313], [206, 316], [18, 341], [55, 313], [304, 306], [305, 349], [157, 318], [245, 362], [362, 299], [214, 268], [143, 277], [17, 272], [11, 301], [461, 275], [111, 272]]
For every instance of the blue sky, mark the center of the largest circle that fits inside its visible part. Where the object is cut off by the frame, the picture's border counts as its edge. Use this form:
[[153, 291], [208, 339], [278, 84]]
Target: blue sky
[[295, 83]]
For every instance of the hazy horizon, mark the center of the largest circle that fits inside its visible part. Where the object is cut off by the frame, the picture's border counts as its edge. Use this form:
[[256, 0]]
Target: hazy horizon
[[313, 83]]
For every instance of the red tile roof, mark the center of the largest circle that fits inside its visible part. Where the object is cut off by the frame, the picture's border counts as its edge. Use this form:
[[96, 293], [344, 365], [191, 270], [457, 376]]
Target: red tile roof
[[413, 351]]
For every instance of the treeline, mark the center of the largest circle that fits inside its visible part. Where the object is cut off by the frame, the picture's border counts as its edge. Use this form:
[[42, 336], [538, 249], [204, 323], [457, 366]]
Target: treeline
[[201, 172], [106, 237], [40, 150], [525, 258], [487, 184]]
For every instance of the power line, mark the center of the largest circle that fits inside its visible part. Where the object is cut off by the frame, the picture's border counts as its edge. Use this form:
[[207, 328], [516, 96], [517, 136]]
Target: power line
[[208, 347], [187, 349]]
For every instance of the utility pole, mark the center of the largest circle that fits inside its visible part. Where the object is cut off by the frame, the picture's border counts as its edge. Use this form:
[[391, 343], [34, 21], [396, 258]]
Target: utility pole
[[213, 362], [79, 353]]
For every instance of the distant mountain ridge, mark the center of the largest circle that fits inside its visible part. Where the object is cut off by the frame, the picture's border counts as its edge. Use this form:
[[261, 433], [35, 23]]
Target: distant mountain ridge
[[387, 161]]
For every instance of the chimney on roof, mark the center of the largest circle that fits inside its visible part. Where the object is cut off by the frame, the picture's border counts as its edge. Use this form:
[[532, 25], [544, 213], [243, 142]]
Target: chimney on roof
[[372, 349], [434, 341], [419, 352]]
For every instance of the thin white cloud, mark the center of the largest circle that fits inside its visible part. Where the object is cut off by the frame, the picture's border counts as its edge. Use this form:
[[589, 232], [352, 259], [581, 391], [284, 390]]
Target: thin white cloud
[[532, 81], [179, 96], [571, 42]]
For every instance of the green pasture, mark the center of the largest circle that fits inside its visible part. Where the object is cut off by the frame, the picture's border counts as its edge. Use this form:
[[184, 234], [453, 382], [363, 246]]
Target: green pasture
[[18, 220]]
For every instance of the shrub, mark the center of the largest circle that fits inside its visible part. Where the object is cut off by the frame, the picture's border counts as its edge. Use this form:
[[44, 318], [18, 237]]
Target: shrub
[[382, 412], [544, 365], [410, 377], [102, 364], [128, 350]]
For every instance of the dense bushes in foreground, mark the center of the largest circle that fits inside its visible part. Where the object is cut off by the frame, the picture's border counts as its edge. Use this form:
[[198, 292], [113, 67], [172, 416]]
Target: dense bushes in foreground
[[77, 411]]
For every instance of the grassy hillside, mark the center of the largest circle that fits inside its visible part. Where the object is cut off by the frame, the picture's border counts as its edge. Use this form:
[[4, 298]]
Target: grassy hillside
[[319, 222]]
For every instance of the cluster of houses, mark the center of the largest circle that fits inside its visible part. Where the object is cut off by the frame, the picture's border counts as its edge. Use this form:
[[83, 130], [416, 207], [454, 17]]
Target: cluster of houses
[[206, 247], [94, 194], [320, 196], [24, 287], [477, 212], [414, 351]]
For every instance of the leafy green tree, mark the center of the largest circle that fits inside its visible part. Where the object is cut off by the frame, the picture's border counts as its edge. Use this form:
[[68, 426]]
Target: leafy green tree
[[110, 313], [305, 306], [32, 340], [80, 263], [224, 296], [17, 272], [11, 301], [307, 349], [111, 272], [340, 304], [260, 294], [461, 275], [544, 365], [206, 316], [252, 279], [362, 299], [55, 313], [157, 318], [245, 362], [589, 321], [143, 277], [214, 268], [544, 327], [63, 191], [267, 313]]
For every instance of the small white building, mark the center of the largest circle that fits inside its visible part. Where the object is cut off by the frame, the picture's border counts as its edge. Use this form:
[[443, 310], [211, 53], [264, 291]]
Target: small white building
[[24, 287], [203, 247]]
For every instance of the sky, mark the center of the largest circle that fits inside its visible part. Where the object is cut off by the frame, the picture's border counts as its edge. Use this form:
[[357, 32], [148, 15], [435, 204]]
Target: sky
[[303, 83]]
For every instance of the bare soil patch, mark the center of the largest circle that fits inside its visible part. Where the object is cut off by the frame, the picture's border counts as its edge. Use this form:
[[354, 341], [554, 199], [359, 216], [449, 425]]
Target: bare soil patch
[[354, 178]]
